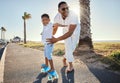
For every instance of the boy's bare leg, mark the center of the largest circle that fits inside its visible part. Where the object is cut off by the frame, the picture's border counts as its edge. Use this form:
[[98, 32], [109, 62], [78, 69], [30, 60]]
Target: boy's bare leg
[[46, 61], [64, 62], [51, 64]]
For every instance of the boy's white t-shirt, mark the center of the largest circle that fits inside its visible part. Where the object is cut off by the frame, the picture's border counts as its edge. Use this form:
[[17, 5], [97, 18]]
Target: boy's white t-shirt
[[71, 19], [47, 32]]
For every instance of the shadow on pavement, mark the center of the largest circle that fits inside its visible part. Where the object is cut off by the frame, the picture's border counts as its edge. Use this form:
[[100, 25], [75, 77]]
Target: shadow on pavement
[[1, 52], [40, 77], [43, 75], [67, 78], [105, 76], [54, 81]]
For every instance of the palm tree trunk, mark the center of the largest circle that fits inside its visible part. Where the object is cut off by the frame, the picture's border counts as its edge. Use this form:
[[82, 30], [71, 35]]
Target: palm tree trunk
[[24, 32], [85, 35]]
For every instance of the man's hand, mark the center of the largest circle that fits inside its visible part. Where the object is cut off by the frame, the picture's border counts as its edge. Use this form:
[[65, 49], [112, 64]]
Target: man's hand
[[52, 40], [65, 36], [41, 33], [56, 25], [59, 25]]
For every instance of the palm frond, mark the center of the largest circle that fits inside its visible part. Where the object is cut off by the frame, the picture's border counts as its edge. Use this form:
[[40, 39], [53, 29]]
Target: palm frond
[[26, 16]]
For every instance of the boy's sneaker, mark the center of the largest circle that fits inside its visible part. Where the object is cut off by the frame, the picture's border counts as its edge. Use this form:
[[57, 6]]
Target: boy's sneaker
[[44, 68]]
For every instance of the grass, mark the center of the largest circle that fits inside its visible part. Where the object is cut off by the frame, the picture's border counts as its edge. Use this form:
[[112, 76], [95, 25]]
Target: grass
[[112, 60], [110, 51], [34, 45], [106, 47], [58, 47]]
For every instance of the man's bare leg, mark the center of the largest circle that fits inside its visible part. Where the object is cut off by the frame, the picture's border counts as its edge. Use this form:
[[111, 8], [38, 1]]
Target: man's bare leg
[[70, 67], [64, 62]]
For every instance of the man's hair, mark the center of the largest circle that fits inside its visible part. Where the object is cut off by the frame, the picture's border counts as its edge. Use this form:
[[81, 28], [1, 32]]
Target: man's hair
[[45, 15], [62, 2]]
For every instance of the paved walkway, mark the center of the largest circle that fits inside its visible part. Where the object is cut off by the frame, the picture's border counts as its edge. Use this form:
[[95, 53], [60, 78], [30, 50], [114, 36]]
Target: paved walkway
[[22, 65]]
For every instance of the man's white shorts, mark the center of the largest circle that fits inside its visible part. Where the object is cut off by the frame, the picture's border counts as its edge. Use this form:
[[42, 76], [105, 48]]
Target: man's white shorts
[[70, 45]]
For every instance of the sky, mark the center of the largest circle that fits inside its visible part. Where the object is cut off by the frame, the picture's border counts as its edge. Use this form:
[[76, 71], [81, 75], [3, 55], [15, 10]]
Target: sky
[[105, 17]]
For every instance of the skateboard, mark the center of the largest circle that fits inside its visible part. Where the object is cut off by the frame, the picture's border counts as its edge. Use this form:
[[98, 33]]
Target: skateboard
[[52, 75], [44, 68]]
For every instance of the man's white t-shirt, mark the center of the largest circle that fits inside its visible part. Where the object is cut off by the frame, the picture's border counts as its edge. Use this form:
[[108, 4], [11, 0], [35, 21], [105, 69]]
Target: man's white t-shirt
[[47, 32], [71, 19], [70, 42]]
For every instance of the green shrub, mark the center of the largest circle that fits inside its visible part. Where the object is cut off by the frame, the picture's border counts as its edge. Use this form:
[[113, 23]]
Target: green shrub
[[116, 55], [113, 59], [59, 52]]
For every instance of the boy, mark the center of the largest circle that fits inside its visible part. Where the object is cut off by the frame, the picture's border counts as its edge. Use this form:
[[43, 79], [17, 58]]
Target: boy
[[48, 48]]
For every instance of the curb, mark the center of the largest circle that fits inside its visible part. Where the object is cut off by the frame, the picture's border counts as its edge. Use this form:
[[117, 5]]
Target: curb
[[2, 62]]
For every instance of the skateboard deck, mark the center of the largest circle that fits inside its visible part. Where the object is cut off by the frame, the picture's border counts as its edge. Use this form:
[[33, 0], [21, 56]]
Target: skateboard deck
[[52, 75]]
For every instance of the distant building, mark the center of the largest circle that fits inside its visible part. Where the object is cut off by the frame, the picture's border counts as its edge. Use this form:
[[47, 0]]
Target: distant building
[[16, 39]]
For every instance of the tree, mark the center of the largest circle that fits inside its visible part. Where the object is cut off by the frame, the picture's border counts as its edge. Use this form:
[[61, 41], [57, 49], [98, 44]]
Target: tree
[[25, 17], [85, 35], [3, 32]]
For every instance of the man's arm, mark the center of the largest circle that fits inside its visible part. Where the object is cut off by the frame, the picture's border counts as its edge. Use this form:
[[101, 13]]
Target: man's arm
[[65, 36], [55, 27], [41, 33], [60, 25], [68, 34]]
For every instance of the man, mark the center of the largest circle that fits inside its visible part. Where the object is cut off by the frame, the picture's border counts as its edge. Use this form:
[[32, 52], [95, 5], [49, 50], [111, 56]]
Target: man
[[71, 30]]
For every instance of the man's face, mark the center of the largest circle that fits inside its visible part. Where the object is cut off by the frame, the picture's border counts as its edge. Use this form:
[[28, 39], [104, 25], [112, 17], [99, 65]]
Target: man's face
[[45, 20], [64, 10]]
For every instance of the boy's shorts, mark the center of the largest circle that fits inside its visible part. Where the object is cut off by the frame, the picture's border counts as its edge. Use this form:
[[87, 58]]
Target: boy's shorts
[[48, 49]]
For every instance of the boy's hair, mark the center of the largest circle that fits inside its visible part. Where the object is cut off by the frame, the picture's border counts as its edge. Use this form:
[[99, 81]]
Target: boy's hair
[[45, 15], [62, 2]]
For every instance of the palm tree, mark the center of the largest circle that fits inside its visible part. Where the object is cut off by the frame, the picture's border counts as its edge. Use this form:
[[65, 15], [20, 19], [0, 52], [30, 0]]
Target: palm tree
[[85, 37], [25, 17], [3, 32]]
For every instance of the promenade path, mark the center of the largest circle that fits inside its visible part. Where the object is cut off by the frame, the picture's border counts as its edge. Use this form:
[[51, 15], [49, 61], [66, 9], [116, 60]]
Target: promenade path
[[22, 65]]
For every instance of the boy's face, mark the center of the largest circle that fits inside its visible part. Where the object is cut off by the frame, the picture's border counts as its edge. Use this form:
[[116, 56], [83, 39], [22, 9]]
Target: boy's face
[[45, 21]]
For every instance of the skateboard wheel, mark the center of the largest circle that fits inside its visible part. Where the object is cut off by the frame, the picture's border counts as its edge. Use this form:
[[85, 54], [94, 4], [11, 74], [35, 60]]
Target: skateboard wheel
[[42, 70], [49, 77]]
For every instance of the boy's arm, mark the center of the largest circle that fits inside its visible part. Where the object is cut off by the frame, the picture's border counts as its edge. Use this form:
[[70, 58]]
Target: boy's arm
[[55, 27]]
